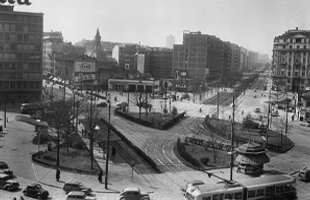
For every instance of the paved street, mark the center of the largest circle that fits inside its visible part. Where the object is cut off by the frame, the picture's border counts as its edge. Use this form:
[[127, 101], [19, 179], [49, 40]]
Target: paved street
[[17, 149]]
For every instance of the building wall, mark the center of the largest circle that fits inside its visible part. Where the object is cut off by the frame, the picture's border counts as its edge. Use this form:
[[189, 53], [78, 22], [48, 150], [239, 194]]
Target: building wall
[[235, 60], [291, 60], [21, 35]]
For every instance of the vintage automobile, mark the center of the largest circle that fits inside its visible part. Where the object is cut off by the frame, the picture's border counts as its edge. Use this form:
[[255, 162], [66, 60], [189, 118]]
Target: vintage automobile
[[35, 190], [192, 183], [76, 186], [133, 193], [77, 195], [7, 183], [4, 168], [304, 174]]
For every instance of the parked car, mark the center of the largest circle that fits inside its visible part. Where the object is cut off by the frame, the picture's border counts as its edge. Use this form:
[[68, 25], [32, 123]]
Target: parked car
[[4, 168], [35, 190], [7, 183], [257, 110], [254, 96], [77, 195], [132, 193], [76, 186], [192, 183], [102, 104], [304, 174]]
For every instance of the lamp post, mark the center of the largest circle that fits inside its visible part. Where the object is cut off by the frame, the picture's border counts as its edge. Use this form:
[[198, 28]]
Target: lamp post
[[166, 85], [140, 104], [108, 148], [39, 134], [200, 92]]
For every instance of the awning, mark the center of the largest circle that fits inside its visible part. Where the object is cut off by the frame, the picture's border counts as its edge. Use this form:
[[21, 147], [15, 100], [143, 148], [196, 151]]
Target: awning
[[31, 121]]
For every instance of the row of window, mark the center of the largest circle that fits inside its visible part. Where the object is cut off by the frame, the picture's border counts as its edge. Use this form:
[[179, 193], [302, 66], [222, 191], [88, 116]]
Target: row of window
[[20, 85], [32, 28], [20, 57], [20, 37], [20, 76], [20, 47], [21, 18], [20, 66]]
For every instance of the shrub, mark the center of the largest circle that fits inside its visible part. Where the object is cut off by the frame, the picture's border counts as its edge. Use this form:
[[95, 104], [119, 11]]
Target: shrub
[[174, 111], [205, 160]]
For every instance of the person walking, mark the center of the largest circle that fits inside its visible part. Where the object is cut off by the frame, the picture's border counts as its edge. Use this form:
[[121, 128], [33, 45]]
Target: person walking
[[100, 176], [1, 129], [57, 174]]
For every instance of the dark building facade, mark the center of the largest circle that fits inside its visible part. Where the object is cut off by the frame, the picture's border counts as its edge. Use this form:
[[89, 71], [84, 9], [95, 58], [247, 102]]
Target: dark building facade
[[201, 55], [21, 35]]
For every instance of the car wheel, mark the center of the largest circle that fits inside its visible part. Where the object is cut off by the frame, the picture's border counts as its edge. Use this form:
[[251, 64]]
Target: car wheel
[[122, 198]]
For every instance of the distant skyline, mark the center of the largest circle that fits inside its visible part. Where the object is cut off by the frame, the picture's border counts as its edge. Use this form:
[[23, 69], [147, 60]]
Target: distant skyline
[[252, 24]]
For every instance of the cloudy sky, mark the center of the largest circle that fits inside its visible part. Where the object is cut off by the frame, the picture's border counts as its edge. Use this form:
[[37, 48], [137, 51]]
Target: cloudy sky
[[249, 23]]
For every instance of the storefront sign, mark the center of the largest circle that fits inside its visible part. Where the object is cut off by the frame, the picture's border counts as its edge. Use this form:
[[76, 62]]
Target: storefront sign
[[85, 67], [19, 2]]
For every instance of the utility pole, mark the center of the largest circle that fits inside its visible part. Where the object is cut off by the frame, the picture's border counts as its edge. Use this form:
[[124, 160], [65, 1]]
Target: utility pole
[[232, 141], [5, 110], [218, 101], [128, 99], [286, 120], [108, 149], [91, 129]]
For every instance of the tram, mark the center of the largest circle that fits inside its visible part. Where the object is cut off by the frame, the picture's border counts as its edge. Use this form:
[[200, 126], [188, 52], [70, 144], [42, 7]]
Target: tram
[[267, 187]]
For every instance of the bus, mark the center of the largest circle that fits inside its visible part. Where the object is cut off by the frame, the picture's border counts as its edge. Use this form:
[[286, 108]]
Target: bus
[[279, 186]]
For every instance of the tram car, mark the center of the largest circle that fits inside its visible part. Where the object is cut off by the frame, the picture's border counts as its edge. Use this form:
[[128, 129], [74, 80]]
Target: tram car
[[280, 186]]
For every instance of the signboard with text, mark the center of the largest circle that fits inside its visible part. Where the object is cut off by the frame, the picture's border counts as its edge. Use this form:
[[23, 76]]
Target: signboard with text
[[86, 67], [19, 2], [82, 77], [181, 79]]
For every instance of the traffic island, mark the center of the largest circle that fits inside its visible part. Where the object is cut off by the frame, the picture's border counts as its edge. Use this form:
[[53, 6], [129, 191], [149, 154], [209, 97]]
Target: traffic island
[[70, 159]]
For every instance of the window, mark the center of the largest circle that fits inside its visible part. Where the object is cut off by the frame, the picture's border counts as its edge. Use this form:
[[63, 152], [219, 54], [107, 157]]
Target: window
[[251, 194], [238, 195], [7, 36], [19, 37], [25, 28], [26, 37], [217, 197], [279, 189], [260, 192]]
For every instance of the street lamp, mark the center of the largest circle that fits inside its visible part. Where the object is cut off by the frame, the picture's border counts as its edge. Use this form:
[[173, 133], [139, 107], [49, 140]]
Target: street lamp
[[108, 146], [39, 134]]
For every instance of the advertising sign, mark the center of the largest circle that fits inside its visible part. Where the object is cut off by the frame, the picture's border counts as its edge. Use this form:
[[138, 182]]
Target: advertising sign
[[19, 2], [181, 79], [82, 77], [85, 67], [140, 63]]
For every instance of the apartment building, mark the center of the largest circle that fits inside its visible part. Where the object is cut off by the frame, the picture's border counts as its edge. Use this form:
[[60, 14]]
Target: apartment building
[[21, 35], [291, 61]]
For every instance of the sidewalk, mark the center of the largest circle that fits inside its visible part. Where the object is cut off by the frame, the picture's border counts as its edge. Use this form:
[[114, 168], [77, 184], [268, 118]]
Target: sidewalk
[[119, 176]]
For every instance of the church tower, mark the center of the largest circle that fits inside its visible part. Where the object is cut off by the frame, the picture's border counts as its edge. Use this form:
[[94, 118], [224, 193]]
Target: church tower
[[97, 42]]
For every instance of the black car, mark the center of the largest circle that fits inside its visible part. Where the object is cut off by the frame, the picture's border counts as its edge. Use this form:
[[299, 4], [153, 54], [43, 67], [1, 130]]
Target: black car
[[4, 168], [35, 190], [102, 104]]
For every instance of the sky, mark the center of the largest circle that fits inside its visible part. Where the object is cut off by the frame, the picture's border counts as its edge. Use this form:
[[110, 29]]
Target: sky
[[252, 24]]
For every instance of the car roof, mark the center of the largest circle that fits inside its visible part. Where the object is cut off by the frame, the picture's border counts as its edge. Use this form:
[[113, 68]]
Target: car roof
[[131, 189], [73, 182], [79, 193], [34, 184]]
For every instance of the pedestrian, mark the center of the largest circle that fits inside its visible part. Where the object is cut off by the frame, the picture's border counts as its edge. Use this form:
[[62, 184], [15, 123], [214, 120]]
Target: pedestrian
[[1, 129], [200, 110], [57, 174], [113, 152], [100, 176], [82, 132], [14, 198]]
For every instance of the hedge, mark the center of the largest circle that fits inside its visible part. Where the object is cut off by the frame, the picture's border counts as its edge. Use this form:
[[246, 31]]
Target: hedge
[[165, 126]]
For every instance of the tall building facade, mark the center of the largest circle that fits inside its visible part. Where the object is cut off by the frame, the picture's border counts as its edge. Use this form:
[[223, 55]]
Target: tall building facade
[[201, 55], [21, 40], [291, 60], [170, 40]]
